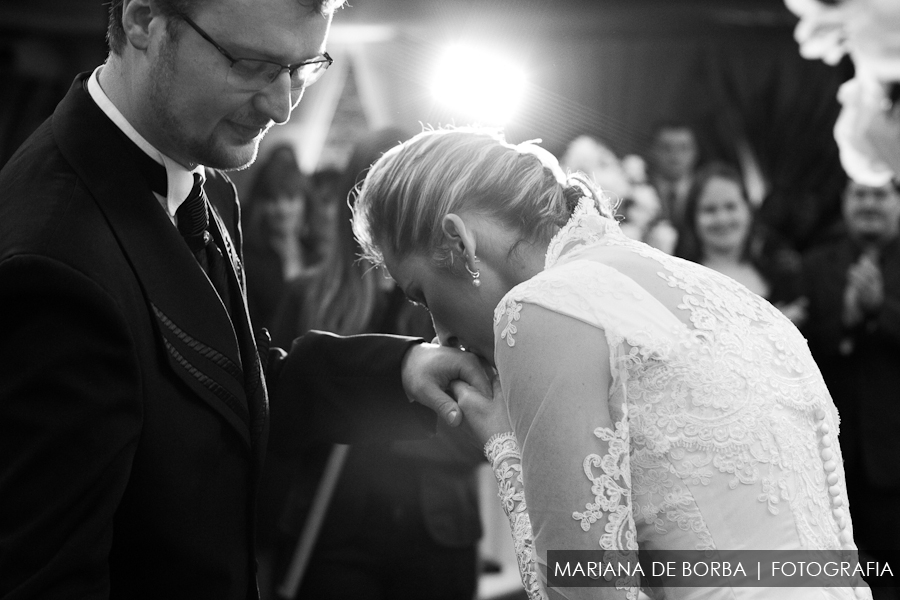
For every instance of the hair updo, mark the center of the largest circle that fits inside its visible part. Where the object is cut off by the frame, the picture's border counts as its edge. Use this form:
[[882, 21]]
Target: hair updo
[[410, 189]]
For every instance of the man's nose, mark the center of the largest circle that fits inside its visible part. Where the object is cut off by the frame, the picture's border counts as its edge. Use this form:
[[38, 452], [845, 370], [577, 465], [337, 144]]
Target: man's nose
[[277, 100]]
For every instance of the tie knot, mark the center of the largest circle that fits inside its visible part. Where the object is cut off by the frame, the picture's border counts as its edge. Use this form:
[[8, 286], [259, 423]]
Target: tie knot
[[193, 218]]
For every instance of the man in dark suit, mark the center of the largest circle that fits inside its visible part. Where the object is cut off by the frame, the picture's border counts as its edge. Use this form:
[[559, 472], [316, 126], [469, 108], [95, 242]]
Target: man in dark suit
[[134, 393], [853, 328], [673, 157]]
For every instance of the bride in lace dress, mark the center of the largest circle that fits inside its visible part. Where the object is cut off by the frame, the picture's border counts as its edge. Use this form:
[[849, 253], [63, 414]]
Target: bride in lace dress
[[644, 402]]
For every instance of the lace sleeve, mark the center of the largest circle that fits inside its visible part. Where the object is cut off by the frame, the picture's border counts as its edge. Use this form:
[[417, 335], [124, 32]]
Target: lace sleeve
[[556, 378], [502, 453]]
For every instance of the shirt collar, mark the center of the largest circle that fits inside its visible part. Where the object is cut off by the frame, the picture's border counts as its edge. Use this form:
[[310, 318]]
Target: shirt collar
[[179, 179]]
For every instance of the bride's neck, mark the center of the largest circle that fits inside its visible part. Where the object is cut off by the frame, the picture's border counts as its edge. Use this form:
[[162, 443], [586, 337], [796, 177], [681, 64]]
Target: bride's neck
[[524, 262], [514, 260]]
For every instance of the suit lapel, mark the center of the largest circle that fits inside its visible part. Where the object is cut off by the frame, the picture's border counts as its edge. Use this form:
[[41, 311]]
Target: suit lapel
[[255, 381], [200, 342]]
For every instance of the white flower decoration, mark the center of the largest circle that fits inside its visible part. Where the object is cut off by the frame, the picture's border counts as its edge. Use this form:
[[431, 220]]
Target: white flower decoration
[[867, 131], [868, 136]]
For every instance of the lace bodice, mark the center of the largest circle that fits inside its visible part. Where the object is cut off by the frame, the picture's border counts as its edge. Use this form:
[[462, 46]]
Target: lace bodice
[[658, 404]]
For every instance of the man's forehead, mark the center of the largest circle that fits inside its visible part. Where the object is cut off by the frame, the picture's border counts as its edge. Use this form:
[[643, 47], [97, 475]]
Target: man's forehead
[[860, 189], [675, 134], [271, 26]]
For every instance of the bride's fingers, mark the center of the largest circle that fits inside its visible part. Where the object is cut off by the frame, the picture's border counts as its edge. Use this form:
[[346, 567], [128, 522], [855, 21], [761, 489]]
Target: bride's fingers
[[473, 373], [466, 395], [457, 387]]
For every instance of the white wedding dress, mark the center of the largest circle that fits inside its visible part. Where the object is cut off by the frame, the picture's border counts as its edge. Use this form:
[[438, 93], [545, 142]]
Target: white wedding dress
[[657, 404]]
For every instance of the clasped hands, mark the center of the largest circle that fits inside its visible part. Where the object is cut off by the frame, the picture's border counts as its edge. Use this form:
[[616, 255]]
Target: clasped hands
[[458, 386], [865, 290]]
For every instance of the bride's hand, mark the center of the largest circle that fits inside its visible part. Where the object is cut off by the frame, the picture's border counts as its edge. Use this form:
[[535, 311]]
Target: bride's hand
[[482, 416]]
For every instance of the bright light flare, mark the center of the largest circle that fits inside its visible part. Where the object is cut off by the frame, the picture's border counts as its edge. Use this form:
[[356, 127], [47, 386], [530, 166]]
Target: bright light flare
[[480, 85]]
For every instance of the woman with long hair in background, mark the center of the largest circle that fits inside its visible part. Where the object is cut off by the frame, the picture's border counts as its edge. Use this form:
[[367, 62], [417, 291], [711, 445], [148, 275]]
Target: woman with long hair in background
[[403, 521], [276, 248], [721, 231]]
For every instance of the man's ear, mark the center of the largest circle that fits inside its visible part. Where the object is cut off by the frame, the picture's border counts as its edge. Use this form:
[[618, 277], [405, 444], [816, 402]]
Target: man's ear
[[136, 17], [459, 237]]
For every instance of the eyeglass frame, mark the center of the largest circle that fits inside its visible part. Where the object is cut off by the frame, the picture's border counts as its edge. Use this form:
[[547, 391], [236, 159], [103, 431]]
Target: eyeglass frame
[[325, 58]]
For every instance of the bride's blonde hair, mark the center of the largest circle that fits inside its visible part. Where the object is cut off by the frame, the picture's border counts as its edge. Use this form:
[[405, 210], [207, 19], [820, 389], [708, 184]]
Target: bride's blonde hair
[[413, 186]]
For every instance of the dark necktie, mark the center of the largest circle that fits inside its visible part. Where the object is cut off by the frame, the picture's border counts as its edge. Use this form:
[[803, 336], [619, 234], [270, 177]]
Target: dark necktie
[[193, 223]]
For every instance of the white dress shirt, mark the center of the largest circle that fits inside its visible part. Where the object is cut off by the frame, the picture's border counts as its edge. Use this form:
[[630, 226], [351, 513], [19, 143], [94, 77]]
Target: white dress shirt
[[180, 180]]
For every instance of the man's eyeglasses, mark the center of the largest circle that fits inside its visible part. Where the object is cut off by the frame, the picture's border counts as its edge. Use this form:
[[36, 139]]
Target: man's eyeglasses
[[253, 74]]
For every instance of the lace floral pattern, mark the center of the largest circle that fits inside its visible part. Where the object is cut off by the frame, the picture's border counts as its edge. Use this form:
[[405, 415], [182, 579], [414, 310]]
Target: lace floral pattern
[[611, 490], [503, 454], [511, 311], [612, 498], [714, 390]]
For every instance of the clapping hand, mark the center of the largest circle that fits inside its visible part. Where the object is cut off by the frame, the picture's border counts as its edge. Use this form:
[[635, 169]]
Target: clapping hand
[[865, 278], [796, 310]]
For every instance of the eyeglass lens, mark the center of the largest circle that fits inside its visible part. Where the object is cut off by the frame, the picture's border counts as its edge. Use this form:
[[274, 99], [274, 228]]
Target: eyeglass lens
[[255, 74]]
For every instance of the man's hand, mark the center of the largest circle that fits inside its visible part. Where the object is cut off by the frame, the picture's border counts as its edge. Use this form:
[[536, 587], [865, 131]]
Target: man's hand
[[429, 369], [865, 277], [795, 311]]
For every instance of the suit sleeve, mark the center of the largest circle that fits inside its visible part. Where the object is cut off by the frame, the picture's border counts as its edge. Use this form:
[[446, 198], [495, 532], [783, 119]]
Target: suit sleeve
[[451, 449], [344, 390], [823, 285], [70, 421], [886, 322]]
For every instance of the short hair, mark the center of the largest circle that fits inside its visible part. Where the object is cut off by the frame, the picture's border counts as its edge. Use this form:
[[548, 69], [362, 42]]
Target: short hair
[[670, 124], [115, 34], [410, 189]]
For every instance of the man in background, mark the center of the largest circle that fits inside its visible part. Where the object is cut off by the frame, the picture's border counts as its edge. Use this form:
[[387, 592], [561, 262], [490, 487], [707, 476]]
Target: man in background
[[853, 328], [673, 160]]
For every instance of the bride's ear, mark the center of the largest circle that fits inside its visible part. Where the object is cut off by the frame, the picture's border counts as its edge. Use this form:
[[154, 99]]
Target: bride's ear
[[459, 238]]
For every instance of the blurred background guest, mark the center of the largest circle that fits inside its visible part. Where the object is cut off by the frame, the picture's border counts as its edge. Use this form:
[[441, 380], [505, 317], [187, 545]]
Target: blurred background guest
[[641, 211], [591, 156], [721, 232], [673, 156], [625, 183], [403, 521], [321, 211], [853, 287], [276, 244]]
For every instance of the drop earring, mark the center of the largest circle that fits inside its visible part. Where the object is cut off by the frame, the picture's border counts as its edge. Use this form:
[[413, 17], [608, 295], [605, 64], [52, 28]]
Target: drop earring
[[476, 274]]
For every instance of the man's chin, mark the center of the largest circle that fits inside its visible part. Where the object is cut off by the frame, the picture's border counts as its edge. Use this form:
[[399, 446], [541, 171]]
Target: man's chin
[[234, 157]]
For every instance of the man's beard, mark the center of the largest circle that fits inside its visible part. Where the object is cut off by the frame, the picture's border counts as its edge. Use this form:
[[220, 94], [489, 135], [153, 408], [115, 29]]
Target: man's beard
[[175, 128]]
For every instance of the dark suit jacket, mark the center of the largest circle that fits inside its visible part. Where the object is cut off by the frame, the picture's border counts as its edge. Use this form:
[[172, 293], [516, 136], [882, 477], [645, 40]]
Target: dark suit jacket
[[133, 415], [861, 366], [433, 480]]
